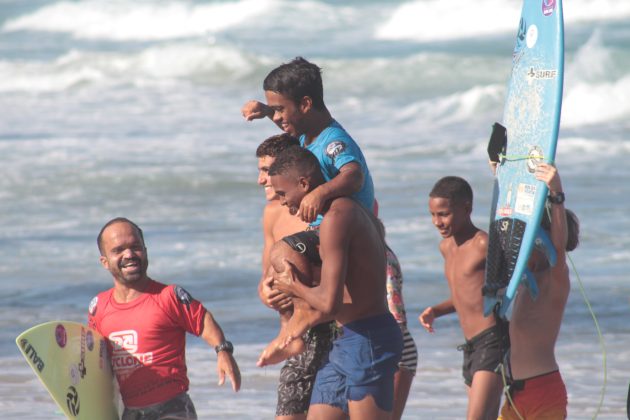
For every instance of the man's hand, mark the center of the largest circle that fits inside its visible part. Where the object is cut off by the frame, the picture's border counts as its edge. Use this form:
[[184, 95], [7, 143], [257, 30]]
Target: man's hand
[[426, 319], [254, 110], [549, 175], [273, 298], [311, 205], [285, 280], [226, 365]]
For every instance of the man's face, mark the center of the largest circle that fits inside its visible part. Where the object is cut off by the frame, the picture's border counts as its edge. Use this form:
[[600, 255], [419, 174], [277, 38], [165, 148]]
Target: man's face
[[287, 114], [263, 176], [290, 190], [124, 253], [446, 218]]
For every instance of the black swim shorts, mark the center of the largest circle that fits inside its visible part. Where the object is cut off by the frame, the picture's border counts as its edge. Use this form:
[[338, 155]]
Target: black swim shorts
[[298, 374], [485, 351]]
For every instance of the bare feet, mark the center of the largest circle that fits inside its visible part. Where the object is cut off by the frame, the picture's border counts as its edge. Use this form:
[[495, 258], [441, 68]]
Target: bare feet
[[279, 350]]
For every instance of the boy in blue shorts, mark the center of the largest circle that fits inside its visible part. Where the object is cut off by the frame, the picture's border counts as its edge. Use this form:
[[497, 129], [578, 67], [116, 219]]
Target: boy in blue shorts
[[357, 376]]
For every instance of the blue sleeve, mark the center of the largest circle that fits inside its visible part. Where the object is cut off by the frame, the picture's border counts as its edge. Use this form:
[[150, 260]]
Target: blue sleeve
[[340, 152]]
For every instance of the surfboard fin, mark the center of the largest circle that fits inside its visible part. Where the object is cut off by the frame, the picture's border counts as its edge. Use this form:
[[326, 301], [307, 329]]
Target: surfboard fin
[[544, 244], [531, 283], [505, 305], [489, 303], [497, 143]]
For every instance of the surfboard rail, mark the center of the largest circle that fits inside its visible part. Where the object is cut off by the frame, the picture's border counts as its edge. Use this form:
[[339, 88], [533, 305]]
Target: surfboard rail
[[531, 119]]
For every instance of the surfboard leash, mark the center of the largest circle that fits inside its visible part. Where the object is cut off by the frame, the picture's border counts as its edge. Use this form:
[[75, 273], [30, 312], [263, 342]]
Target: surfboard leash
[[599, 335], [514, 158], [505, 358], [506, 391]]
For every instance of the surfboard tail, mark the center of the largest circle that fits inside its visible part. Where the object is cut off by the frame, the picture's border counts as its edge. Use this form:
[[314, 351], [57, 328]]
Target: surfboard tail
[[505, 238], [72, 363]]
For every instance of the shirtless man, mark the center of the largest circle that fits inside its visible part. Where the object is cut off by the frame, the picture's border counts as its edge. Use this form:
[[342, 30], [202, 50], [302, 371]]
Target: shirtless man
[[464, 249], [304, 355], [537, 390], [277, 221], [352, 290]]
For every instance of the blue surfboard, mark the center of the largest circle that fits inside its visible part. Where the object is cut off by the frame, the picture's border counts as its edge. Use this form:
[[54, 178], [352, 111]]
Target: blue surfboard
[[531, 118]]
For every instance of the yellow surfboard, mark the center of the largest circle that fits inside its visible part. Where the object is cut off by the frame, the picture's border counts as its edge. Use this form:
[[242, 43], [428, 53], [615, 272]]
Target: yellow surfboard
[[72, 362]]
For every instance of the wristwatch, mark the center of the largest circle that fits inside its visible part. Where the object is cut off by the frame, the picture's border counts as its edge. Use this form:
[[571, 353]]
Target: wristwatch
[[557, 198], [225, 346]]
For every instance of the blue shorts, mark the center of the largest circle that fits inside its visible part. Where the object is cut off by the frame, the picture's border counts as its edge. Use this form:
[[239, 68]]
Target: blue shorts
[[362, 362]]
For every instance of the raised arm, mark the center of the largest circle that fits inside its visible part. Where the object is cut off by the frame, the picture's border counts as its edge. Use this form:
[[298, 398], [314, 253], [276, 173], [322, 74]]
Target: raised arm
[[559, 233], [255, 110]]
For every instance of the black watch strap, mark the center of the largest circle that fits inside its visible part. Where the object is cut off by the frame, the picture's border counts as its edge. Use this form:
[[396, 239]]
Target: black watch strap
[[224, 346], [557, 198]]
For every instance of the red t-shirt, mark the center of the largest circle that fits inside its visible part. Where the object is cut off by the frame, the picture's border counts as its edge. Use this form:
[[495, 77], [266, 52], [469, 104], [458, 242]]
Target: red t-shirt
[[147, 339]]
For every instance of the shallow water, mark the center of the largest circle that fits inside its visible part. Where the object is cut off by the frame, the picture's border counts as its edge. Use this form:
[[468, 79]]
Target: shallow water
[[122, 108]]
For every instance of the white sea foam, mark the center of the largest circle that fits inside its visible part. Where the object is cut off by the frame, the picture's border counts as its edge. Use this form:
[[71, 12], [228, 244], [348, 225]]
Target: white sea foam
[[140, 21], [434, 20], [211, 64], [586, 104], [597, 87], [123, 117], [594, 149]]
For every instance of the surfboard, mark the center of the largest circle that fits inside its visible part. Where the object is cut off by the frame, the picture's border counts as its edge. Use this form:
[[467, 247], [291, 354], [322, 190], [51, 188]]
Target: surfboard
[[531, 119], [72, 362]]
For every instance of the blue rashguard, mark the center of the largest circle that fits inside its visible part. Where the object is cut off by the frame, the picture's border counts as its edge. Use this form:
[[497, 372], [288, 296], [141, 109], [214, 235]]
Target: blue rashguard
[[334, 148]]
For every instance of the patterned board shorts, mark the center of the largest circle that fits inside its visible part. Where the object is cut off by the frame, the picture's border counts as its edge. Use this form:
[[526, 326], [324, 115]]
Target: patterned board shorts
[[298, 374], [179, 408]]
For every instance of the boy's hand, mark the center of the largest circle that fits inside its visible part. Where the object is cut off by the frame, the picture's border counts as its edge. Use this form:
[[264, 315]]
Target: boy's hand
[[254, 110], [274, 298], [311, 205], [284, 281], [549, 175], [426, 319]]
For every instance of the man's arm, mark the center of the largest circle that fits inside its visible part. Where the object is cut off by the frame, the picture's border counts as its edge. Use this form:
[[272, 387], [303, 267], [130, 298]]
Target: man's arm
[[559, 231], [333, 249], [274, 299], [347, 182], [213, 335], [429, 315]]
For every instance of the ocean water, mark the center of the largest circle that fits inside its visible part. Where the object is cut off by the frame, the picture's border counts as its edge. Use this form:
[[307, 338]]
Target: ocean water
[[132, 108]]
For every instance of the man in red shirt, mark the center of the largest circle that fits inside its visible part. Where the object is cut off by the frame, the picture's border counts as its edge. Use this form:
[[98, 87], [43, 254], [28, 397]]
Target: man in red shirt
[[146, 324]]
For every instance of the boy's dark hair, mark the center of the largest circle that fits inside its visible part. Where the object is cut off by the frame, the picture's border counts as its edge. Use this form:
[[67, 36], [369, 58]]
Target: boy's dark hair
[[296, 158], [99, 238], [453, 188], [274, 145], [297, 79], [573, 227]]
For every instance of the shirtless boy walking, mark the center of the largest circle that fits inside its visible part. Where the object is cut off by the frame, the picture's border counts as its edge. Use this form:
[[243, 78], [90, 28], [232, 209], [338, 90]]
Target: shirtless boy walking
[[464, 248]]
